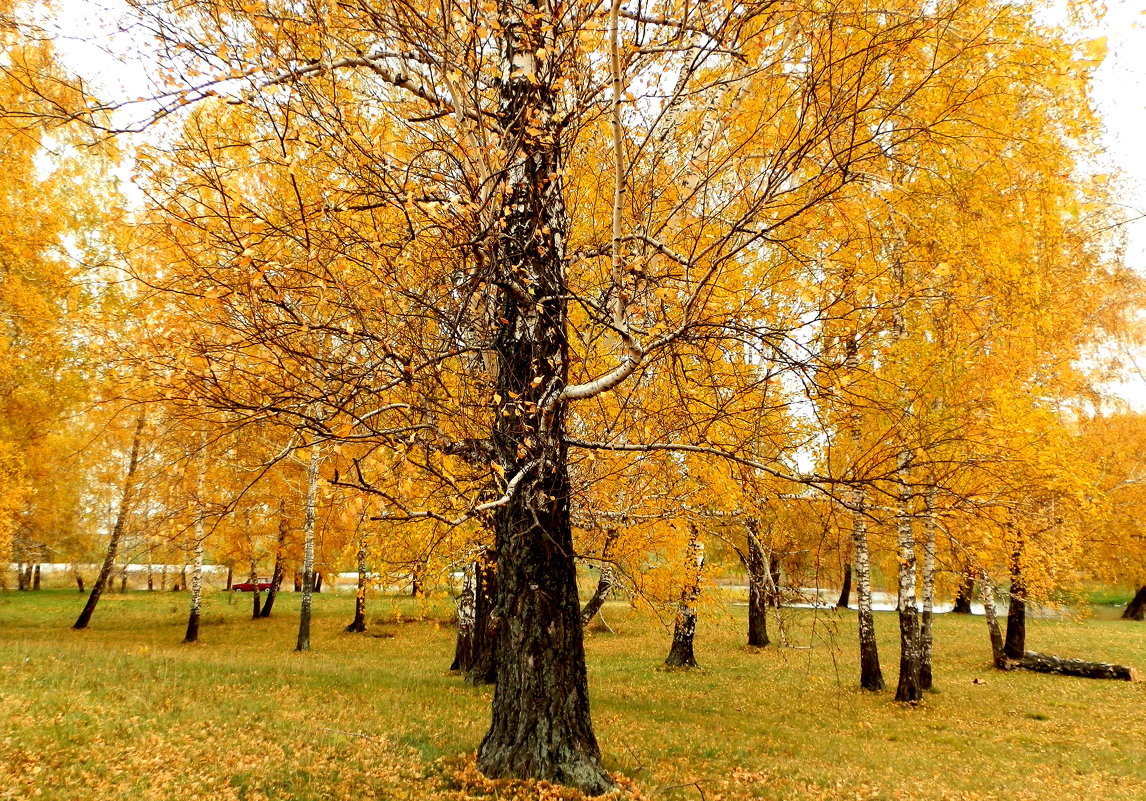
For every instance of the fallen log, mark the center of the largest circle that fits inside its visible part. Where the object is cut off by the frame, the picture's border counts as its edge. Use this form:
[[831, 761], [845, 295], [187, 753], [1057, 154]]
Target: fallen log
[[1045, 663]]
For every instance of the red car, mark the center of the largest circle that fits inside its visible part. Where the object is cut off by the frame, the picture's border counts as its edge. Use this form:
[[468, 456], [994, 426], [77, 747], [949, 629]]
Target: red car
[[249, 586]]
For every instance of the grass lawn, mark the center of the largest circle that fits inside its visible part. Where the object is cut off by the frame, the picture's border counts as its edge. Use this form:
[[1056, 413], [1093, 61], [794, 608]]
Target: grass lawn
[[124, 711]]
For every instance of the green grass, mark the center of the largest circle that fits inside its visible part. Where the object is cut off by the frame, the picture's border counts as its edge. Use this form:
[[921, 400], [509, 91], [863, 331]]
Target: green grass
[[123, 710]]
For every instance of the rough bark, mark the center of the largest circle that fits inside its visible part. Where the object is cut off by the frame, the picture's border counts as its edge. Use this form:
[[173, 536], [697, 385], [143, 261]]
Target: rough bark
[[871, 677], [1016, 642], [1136, 609], [1045, 663], [846, 590], [464, 647], [908, 689], [605, 581], [987, 596], [303, 643], [681, 654], [541, 726], [116, 531], [756, 562], [483, 661], [964, 594], [926, 638]]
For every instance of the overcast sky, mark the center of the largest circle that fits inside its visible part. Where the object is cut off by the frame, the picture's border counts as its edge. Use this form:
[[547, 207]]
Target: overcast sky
[[1119, 93]]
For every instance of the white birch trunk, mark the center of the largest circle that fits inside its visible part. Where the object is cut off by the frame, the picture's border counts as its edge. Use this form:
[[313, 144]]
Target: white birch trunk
[[908, 689], [926, 641], [308, 551]]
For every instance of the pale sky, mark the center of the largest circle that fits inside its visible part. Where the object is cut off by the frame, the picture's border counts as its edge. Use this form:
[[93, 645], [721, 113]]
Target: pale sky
[[1119, 93]]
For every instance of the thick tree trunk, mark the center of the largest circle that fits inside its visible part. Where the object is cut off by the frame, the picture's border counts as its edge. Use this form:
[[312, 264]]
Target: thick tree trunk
[[279, 568], [987, 596], [116, 531], [908, 690], [846, 590], [926, 639], [1044, 663], [359, 622], [1016, 643], [36, 578], [483, 661], [21, 578], [756, 563], [684, 627], [464, 647], [541, 727], [308, 551], [964, 594], [1136, 609], [871, 677]]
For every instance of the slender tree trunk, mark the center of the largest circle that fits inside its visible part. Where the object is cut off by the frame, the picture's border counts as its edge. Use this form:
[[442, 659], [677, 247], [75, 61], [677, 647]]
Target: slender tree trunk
[[483, 663], [987, 596], [317, 581], [684, 628], [1136, 609], [871, 677], [308, 551], [192, 634], [150, 575], [464, 648], [605, 581], [846, 590], [964, 594], [908, 689], [116, 532], [1016, 643], [279, 569], [297, 581], [230, 577], [359, 622], [163, 579], [36, 578], [79, 578], [256, 596], [757, 565], [541, 726], [926, 638], [183, 579], [775, 597], [21, 578], [123, 580]]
